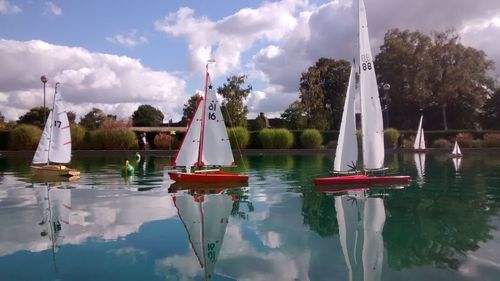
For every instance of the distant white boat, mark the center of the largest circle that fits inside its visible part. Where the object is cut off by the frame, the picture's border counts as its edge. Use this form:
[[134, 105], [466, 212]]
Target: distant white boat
[[456, 153], [419, 143]]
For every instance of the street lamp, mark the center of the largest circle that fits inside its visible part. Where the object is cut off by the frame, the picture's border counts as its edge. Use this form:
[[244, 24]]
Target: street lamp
[[386, 88], [44, 81]]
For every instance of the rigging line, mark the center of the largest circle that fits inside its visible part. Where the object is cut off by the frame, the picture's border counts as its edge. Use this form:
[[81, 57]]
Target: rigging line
[[235, 138]]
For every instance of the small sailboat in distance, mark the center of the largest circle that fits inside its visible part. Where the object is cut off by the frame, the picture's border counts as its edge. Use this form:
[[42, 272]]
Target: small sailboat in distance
[[456, 153], [419, 144], [54, 148]]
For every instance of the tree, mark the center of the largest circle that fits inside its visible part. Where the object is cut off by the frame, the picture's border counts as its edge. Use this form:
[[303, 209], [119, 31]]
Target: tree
[[233, 110], [322, 92], [190, 107], [294, 116], [490, 113], [93, 119], [34, 116], [146, 115], [71, 117]]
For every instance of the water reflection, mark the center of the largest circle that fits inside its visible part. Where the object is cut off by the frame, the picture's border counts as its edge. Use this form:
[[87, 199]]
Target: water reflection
[[420, 164], [204, 211]]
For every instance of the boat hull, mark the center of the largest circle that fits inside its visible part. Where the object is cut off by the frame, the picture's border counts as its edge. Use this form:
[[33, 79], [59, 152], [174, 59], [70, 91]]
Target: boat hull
[[362, 179], [54, 170], [207, 177]]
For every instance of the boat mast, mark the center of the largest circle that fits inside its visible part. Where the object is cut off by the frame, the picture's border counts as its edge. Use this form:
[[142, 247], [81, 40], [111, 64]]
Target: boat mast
[[51, 124], [203, 117]]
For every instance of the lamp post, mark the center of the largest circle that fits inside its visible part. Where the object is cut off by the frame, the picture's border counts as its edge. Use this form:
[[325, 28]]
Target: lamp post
[[44, 81], [386, 88]]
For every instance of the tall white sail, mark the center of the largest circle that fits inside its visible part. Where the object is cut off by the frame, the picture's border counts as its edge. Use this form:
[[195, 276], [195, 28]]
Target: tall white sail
[[371, 112], [55, 143], [189, 151], [216, 148], [346, 154], [419, 138], [456, 149]]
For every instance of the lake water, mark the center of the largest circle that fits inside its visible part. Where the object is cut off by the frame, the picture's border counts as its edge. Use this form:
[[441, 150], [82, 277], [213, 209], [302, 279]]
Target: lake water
[[443, 226]]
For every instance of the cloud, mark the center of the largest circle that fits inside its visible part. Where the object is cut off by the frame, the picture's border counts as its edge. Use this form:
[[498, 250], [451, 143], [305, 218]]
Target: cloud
[[128, 40], [52, 8], [7, 8], [116, 84]]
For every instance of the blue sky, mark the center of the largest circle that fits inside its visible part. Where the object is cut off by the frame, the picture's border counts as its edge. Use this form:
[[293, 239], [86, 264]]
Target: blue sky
[[117, 55]]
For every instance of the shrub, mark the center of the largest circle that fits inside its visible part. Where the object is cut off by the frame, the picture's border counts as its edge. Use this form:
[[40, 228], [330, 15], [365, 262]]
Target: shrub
[[239, 137], [491, 140], [275, 138], [391, 136], [24, 137], [441, 143], [77, 137], [113, 134], [166, 141], [311, 138], [465, 139]]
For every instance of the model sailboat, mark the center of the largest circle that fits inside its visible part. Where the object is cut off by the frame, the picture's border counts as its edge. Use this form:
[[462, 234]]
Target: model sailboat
[[54, 148], [456, 153], [206, 144], [419, 144], [371, 121]]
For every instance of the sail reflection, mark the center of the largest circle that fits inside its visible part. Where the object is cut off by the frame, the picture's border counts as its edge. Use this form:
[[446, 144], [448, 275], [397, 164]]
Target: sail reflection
[[204, 211], [361, 218], [420, 164]]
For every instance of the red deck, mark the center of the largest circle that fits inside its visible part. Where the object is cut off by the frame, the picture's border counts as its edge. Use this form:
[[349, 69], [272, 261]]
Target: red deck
[[208, 177], [362, 179]]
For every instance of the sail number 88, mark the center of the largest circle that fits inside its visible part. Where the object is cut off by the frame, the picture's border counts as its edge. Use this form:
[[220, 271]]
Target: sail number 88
[[366, 66]]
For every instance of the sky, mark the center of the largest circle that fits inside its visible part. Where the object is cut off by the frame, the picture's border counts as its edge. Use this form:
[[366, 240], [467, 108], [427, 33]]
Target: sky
[[117, 55]]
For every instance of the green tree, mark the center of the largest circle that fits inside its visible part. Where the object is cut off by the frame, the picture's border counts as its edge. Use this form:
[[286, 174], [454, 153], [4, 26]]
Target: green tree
[[146, 115], [34, 117], [190, 106], [322, 92], [490, 113], [233, 110], [71, 117], [93, 119], [294, 116]]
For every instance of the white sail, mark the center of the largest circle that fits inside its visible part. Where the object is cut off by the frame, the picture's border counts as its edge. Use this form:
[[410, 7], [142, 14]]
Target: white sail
[[55, 143], [189, 151], [361, 220], [371, 112], [346, 154], [419, 138], [456, 149], [216, 148], [205, 218]]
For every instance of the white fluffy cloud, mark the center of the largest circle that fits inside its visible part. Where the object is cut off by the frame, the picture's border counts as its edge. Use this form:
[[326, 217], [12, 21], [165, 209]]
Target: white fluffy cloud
[[8, 8], [52, 8], [129, 39], [116, 84]]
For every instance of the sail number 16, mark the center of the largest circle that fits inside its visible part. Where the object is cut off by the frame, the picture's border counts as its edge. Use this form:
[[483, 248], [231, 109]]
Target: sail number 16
[[211, 113]]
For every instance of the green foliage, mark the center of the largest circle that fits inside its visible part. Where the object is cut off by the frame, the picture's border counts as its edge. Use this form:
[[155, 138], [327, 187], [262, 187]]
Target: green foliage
[[166, 141], [93, 119], [77, 136], [391, 136], [71, 117], [275, 138], [113, 134], [34, 117], [294, 116], [442, 143], [491, 140], [233, 110], [190, 106], [239, 137], [490, 116], [261, 122], [311, 138], [24, 137], [146, 115], [322, 92]]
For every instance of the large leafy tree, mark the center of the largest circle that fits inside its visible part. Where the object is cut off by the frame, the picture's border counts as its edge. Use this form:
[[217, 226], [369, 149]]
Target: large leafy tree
[[147, 115], [93, 119], [294, 116], [490, 115], [190, 106], [71, 117], [233, 109], [34, 116], [322, 92]]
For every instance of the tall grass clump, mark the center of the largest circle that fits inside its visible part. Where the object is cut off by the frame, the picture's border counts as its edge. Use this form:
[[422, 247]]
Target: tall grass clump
[[113, 134], [283, 138], [239, 137], [311, 138], [442, 143], [391, 136], [77, 136], [265, 137], [166, 141], [24, 137], [491, 140]]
